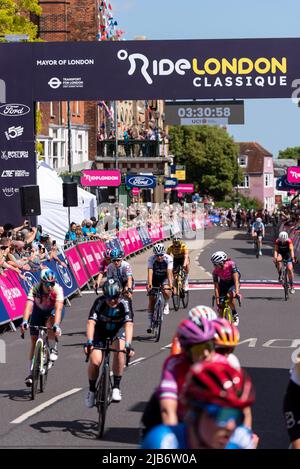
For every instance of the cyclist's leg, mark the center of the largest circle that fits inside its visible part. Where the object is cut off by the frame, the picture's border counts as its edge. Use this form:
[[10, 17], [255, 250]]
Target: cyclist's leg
[[187, 271], [38, 318], [167, 295], [151, 302], [259, 238], [290, 271], [279, 265], [231, 295], [95, 361], [118, 364]]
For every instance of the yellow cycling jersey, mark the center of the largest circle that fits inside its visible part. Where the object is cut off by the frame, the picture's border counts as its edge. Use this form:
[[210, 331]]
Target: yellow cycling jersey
[[178, 251]]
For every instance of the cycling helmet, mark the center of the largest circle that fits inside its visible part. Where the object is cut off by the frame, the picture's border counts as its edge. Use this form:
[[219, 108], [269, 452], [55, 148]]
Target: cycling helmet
[[195, 314], [189, 333], [159, 249], [259, 220], [47, 275], [107, 253], [227, 334], [217, 383], [116, 254], [283, 236], [219, 257], [111, 289]]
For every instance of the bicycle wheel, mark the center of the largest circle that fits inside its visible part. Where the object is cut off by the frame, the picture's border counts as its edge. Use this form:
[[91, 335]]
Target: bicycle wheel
[[102, 400], [185, 298], [158, 312], [175, 295], [43, 377], [36, 368], [286, 285]]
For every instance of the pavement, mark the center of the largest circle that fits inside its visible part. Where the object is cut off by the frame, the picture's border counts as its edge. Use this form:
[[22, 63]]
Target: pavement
[[270, 334]]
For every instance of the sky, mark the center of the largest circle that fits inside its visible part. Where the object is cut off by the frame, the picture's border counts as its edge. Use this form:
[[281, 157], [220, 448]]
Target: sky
[[274, 123]]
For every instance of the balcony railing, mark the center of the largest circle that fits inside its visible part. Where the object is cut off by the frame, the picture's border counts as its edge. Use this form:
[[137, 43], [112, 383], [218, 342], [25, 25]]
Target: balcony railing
[[132, 148]]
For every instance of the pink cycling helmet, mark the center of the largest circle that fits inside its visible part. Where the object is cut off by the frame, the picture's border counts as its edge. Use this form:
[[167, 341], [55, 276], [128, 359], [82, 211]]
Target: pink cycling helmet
[[189, 333]]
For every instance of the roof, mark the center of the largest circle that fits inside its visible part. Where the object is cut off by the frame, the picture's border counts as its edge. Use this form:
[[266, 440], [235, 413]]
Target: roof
[[281, 165], [255, 154]]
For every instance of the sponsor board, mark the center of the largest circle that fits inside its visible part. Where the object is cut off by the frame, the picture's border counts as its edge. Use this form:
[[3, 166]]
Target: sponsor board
[[14, 110]]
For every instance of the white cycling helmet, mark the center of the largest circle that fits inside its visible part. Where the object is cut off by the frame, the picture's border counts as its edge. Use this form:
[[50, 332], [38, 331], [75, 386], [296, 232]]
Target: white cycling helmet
[[159, 249], [201, 311], [283, 236], [259, 220], [219, 257]]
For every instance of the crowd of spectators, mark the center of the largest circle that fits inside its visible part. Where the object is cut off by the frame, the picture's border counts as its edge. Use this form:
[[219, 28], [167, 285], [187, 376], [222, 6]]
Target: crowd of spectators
[[26, 248]]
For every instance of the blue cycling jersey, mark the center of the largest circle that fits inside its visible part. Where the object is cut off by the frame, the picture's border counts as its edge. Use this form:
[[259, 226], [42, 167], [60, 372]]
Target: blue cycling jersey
[[175, 437]]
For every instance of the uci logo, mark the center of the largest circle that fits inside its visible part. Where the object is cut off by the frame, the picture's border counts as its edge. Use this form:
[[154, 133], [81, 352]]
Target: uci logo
[[65, 276]]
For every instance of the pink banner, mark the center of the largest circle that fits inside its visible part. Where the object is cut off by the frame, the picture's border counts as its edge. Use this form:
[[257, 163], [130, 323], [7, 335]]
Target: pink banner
[[77, 266], [101, 178], [12, 294], [125, 241], [135, 239], [89, 260], [293, 174], [185, 188], [96, 251]]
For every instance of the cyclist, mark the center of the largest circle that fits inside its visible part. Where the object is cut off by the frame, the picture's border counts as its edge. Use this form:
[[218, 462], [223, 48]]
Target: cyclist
[[197, 344], [45, 306], [180, 253], [110, 317], [160, 274], [258, 232], [226, 278], [214, 396], [195, 314], [284, 251], [103, 268], [121, 272], [291, 405], [227, 337]]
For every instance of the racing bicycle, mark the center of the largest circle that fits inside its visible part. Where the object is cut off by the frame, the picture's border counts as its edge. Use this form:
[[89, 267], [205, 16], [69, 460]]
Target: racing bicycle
[[157, 317], [41, 362], [179, 293], [104, 385], [225, 309]]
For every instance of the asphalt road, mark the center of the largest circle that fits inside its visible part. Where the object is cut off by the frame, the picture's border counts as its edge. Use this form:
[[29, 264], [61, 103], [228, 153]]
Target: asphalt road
[[270, 333]]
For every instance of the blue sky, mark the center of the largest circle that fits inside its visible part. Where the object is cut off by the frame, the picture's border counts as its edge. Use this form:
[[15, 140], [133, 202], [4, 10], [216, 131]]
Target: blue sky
[[274, 123]]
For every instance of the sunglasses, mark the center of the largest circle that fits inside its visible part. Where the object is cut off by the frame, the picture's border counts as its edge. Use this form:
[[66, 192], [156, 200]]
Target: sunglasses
[[49, 284], [159, 255], [113, 298], [222, 415], [117, 260]]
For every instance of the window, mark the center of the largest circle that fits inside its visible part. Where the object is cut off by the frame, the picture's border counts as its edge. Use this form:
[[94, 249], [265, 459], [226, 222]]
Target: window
[[78, 108], [51, 109], [79, 143], [242, 160], [55, 149], [245, 183], [269, 180]]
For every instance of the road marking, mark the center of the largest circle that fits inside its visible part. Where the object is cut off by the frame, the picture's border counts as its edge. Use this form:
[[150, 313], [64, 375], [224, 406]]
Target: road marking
[[46, 404], [88, 292], [166, 346], [138, 360]]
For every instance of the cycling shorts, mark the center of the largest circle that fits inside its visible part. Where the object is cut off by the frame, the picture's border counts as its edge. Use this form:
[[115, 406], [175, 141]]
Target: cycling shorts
[[291, 410], [39, 317], [177, 263], [158, 281], [225, 288], [259, 234], [99, 340]]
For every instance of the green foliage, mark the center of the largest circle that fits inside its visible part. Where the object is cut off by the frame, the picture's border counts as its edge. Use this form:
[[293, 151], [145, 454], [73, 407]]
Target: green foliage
[[245, 202], [210, 156], [15, 18], [290, 153]]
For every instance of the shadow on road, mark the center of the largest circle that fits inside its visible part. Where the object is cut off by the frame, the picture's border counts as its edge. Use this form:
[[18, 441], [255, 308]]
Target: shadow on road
[[84, 429], [268, 421], [16, 394], [122, 435]]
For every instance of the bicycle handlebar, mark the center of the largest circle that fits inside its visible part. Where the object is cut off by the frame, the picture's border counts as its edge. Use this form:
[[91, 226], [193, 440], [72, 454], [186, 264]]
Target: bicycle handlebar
[[110, 350]]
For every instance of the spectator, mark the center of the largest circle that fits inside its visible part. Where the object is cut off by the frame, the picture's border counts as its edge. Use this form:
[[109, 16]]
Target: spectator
[[71, 233], [94, 222], [79, 234], [88, 230]]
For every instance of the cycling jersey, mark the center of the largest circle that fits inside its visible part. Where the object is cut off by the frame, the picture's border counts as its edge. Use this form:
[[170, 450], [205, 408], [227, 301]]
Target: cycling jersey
[[178, 251], [109, 320], [175, 437], [284, 249], [120, 274], [160, 269], [174, 372], [258, 227], [226, 272], [104, 265], [292, 410], [46, 301]]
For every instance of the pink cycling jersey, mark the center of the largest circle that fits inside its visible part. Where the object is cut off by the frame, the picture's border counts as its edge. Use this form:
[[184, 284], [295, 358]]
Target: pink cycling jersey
[[225, 273], [174, 372], [103, 265]]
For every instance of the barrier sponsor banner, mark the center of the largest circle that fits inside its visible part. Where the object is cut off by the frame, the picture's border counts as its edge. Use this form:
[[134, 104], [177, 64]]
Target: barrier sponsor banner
[[125, 242], [103, 178], [144, 235], [4, 318], [98, 249], [12, 295], [64, 276], [87, 255], [77, 266]]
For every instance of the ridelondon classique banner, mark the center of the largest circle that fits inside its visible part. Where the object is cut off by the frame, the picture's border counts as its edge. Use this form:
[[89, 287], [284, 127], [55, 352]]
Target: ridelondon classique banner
[[108, 70]]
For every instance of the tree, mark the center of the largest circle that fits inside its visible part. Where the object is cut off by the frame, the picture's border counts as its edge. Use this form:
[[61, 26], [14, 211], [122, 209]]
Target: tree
[[15, 18], [210, 157], [290, 153]]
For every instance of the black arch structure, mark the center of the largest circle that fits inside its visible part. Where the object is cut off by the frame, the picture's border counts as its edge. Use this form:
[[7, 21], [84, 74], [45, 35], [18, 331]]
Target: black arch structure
[[187, 69]]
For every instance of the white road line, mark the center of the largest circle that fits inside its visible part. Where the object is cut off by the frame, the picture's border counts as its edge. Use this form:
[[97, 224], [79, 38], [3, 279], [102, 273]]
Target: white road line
[[88, 292], [166, 346], [46, 404], [138, 360]]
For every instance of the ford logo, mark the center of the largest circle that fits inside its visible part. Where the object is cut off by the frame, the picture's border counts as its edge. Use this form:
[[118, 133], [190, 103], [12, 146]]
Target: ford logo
[[14, 110], [140, 181]]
